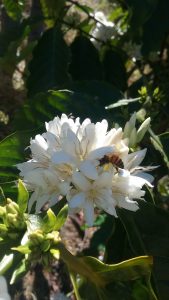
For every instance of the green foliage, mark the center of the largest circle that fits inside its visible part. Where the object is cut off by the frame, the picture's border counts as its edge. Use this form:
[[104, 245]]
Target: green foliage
[[14, 8], [49, 65], [52, 10], [101, 279], [12, 152]]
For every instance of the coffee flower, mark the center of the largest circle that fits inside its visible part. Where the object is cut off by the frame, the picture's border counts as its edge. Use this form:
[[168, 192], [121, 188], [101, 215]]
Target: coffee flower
[[103, 31], [87, 164]]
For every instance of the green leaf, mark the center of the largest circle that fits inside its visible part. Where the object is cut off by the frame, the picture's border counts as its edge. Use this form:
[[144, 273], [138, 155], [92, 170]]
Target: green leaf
[[22, 249], [89, 272], [85, 63], [122, 102], [14, 8], [19, 271], [49, 221], [141, 11], [148, 233], [154, 30], [52, 9], [61, 217], [49, 65], [114, 69], [23, 196], [85, 99], [159, 143], [11, 153]]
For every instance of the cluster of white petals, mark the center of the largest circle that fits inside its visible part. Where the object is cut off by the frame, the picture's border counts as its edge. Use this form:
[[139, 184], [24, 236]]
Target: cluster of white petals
[[103, 31], [4, 289], [133, 50], [86, 163]]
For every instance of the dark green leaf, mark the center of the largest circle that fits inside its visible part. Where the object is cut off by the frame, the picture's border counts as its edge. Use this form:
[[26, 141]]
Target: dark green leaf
[[85, 63], [12, 152], [49, 65], [87, 99], [52, 9], [141, 11], [19, 271], [160, 143], [14, 8], [155, 29], [114, 69]]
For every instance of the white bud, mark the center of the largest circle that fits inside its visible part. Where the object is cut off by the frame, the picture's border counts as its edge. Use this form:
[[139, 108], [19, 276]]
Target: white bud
[[142, 129]]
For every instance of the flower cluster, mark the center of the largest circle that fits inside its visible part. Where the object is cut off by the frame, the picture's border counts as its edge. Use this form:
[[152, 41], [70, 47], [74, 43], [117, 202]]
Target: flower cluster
[[88, 164], [103, 31]]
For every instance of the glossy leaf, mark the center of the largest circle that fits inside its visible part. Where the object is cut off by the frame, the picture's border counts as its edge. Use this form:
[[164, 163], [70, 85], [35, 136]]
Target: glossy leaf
[[23, 196], [158, 145], [61, 217], [52, 10], [14, 8], [114, 69], [49, 221], [49, 65], [85, 63], [12, 151], [19, 271], [90, 273]]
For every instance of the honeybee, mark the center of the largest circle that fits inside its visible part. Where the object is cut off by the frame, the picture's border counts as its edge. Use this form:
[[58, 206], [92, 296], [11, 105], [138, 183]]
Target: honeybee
[[112, 158]]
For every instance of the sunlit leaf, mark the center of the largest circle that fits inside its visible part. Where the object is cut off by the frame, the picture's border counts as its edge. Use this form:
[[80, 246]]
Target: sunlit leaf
[[61, 217], [19, 271], [23, 196]]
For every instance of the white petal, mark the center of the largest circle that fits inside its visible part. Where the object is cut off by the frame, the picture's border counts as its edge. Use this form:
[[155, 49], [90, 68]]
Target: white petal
[[104, 180], [148, 177], [77, 200], [41, 202], [107, 203], [125, 202], [89, 212], [88, 169], [80, 181], [135, 159], [100, 152], [62, 157]]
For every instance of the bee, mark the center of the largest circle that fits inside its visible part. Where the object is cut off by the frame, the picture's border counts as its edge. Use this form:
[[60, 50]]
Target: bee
[[113, 159]]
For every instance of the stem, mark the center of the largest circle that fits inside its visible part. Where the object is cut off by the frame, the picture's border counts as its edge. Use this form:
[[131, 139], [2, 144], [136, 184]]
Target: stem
[[73, 280]]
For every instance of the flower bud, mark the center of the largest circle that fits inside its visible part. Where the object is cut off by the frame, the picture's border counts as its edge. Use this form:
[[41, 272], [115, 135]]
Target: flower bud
[[133, 138], [36, 237], [2, 211], [142, 129], [45, 246], [12, 207]]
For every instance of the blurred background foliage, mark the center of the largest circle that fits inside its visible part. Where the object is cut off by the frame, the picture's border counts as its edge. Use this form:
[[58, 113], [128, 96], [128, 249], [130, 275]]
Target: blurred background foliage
[[58, 56]]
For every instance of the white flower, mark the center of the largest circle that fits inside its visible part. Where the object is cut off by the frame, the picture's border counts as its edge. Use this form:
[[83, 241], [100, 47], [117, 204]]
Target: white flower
[[133, 50], [125, 188], [87, 194], [84, 148], [88, 164], [3, 289], [46, 187], [103, 31]]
